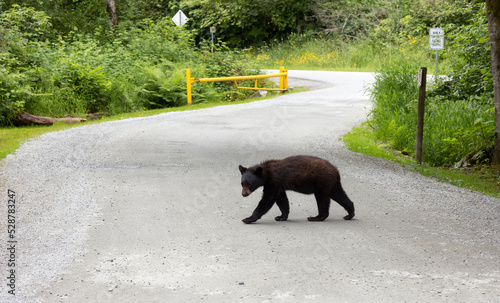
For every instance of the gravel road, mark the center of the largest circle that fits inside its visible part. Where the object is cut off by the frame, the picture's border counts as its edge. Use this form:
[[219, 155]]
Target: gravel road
[[149, 210]]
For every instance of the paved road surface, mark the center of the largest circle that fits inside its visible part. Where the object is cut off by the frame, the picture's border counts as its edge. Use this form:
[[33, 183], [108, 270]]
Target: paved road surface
[[150, 209]]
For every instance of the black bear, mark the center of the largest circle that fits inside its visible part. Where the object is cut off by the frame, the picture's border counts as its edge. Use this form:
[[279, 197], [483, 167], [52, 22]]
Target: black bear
[[303, 174]]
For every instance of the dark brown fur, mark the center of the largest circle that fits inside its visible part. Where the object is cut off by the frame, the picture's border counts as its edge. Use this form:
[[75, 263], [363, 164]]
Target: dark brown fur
[[303, 174]]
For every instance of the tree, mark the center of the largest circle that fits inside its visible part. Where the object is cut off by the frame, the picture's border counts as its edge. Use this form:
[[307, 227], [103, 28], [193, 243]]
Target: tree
[[242, 23], [493, 13], [111, 12]]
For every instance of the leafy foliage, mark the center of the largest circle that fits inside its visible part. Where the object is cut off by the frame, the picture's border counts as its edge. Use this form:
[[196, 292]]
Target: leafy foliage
[[459, 111], [19, 31], [141, 68], [243, 23], [469, 51], [395, 103], [452, 129], [11, 95]]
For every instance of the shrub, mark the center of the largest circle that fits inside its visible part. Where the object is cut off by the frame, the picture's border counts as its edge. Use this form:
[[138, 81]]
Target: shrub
[[452, 128], [469, 54], [19, 31], [141, 67], [11, 95], [455, 128], [159, 87], [394, 96]]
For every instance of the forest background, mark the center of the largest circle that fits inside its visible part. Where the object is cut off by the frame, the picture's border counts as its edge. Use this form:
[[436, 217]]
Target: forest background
[[74, 57]]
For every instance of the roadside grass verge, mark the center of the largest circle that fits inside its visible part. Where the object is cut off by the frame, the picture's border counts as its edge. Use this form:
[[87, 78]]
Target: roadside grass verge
[[483, 179]]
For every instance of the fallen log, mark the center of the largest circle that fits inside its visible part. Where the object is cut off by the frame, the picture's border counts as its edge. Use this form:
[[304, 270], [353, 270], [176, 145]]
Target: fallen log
[[24, 119], [71, 120], [28, 119], [97, 115]]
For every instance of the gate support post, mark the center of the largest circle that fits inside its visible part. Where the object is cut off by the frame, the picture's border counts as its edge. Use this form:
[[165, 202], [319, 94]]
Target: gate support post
[[188, 83]]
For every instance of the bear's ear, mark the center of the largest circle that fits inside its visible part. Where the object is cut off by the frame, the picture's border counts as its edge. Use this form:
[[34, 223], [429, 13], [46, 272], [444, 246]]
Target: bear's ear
[[242, 169], [258, 171]]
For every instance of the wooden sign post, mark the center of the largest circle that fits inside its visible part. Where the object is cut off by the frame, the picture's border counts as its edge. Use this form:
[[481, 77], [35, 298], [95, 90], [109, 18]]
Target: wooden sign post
[[422, 82]]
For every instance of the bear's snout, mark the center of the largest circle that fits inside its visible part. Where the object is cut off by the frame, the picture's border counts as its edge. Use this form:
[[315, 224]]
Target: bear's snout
[[246, 192]]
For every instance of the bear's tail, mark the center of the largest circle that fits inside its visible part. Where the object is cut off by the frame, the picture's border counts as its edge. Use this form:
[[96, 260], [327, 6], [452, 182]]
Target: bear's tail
[[339, 195]]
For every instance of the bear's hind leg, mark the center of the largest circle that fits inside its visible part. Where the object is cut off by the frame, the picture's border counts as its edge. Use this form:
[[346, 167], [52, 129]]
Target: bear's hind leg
[[339, 195], [284, 206], [323, 201]]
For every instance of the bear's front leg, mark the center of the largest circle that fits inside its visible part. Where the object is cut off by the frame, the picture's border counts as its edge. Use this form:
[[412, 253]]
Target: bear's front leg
[[249, 220], [264, 206], [281, 218], [317, 218]]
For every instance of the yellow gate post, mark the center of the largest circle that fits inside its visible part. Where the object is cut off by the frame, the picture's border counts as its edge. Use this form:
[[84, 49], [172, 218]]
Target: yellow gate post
[[283, 79], [189, 80]]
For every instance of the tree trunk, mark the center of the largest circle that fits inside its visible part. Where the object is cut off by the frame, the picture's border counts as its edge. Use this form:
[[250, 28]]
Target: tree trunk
[[111, 12], [27, 119], [493, 13], [24, 119]]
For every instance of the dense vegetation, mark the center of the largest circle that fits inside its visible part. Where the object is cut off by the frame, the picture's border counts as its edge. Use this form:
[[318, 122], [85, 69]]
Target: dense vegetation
[[139, 68], [63, 57], [459, 119]]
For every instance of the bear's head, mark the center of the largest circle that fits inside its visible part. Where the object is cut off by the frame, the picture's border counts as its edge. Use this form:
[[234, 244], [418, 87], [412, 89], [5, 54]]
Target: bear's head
[[251, 179]]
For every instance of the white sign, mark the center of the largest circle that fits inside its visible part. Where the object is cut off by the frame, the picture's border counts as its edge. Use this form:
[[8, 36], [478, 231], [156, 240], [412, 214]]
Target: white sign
[[436, 38], [180, 19], [212, 30]]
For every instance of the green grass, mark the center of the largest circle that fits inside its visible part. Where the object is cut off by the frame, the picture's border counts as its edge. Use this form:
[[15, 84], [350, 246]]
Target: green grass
[[453, 128], [362, 140], [305, 52], [483, 179], [12, 137]]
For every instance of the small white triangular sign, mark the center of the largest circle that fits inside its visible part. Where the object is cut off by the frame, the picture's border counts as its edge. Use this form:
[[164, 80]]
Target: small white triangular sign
[[180, 19]]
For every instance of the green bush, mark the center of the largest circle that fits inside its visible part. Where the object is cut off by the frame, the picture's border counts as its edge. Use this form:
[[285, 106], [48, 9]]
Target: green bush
[[459, 117], [452, 128], [69, 80], [142, 67], [395, 96], [20, 30], [468, 50], [11, 95], [159, 87]]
